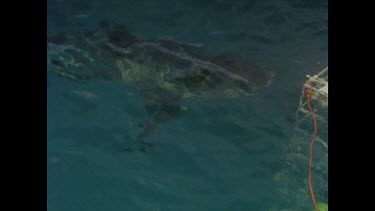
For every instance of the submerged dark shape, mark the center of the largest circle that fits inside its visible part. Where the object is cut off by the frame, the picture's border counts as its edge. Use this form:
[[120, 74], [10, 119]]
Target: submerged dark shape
[[120, 35], [165, 70]]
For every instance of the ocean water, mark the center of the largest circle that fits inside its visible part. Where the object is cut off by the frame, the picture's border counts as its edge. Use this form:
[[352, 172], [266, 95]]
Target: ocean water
[[220, 154]]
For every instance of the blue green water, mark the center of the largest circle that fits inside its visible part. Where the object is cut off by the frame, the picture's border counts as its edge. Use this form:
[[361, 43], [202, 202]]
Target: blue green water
[[220, 154]]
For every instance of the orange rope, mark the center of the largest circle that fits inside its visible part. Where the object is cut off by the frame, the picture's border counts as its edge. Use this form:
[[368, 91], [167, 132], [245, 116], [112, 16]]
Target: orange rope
[[308, 94]]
